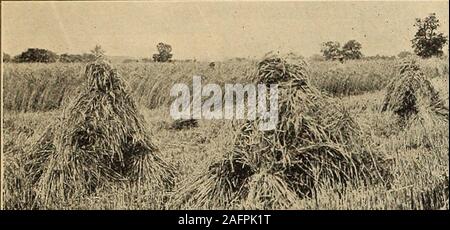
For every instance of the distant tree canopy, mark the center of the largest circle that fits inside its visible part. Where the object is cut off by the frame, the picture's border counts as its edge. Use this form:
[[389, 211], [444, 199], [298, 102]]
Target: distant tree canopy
[[47, 56], [86, 57], [352, 50], [428, 42], [36, 55], [6, 57], [404, 54], [69, 58], [164, 53], [379, 57], [332, 50]]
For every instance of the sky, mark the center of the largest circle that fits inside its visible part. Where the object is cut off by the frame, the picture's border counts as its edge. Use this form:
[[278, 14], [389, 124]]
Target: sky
[[213, 30]]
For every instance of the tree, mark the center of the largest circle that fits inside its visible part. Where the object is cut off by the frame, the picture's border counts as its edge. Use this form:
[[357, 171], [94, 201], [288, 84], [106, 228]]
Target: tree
[[428, 42], [98, 51], [36, 55], [163, 54], [352, 50], [404, 54], [6, 57], [331, 50]]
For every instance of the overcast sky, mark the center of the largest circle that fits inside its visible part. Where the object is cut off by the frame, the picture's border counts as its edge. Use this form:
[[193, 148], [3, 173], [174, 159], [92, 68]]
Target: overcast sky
[[211, 30]]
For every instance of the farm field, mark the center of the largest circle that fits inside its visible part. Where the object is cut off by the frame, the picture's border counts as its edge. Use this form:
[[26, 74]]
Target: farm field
[[35, 94]]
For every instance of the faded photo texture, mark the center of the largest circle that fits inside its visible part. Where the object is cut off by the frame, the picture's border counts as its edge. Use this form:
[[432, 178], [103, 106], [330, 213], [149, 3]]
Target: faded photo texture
[[225, 105]]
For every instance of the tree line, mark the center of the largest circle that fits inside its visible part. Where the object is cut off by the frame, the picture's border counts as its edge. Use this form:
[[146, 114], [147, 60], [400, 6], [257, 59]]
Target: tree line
[[46, 56], [427, 42]]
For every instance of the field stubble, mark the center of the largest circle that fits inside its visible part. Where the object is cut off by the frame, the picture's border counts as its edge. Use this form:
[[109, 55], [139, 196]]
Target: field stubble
[[419, 153]]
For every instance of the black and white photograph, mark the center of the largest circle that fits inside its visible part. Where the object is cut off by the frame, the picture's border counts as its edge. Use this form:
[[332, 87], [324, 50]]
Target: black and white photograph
[[225, 105]]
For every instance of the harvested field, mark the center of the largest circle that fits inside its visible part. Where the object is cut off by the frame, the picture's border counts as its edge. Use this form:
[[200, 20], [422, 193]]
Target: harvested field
[[417, 154]]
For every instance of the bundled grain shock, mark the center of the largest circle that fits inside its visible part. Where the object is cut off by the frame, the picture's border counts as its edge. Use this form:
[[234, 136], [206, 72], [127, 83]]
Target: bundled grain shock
[[100, 139], [410, 94], [315, 142]]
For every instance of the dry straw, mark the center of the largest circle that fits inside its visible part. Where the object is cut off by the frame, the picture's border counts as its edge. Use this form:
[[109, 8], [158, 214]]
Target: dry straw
[[411, 95], [184, 124], [100, 139], [315, 142]]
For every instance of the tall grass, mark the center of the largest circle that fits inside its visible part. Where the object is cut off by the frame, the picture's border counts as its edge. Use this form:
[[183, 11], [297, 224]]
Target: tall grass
[[44, 87], [361, 76]]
